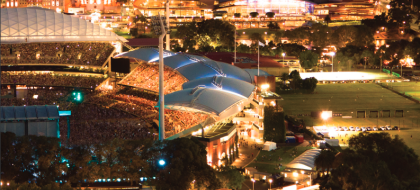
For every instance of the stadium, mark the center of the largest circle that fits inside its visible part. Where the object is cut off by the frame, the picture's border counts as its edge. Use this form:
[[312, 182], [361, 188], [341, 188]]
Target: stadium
[[48, 57]]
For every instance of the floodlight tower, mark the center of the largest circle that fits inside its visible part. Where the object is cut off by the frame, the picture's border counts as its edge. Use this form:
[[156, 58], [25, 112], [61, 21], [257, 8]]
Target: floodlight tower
[[161, 30], [168, 35]]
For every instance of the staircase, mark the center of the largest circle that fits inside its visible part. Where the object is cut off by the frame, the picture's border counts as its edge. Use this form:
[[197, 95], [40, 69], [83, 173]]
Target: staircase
[[126, 45]]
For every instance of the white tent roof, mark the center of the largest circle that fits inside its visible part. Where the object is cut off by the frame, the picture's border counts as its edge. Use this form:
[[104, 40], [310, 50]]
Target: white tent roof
[[43, 25], [216, 102], [223, 83], [305, 161]]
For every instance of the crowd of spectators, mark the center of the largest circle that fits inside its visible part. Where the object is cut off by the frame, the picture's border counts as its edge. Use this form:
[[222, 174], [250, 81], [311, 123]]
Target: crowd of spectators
[[93, 124], [93, 54], [49, 79], [43, 97], [147, 77]]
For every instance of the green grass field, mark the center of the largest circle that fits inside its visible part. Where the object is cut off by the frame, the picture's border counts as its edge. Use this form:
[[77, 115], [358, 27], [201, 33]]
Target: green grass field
[[409, 88], [347, 99], [124, 35], [264, 164]]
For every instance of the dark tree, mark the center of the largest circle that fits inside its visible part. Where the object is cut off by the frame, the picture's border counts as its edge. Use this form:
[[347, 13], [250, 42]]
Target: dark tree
[[186, 162], [230, 178], [327, 19], [375, 161], [308, 59], [309, 84], [274, 128], [320, 35]]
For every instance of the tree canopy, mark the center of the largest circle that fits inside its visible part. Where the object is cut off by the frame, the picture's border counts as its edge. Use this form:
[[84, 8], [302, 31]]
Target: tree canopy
[[308, 59], [375, 161]]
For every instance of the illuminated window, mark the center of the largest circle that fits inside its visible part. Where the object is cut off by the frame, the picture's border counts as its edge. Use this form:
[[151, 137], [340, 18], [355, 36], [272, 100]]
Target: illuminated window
[[57, 4]]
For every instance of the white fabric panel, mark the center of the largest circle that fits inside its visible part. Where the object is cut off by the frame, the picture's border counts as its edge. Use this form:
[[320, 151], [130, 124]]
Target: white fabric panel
[[41, 23], [51, 129], [32, 128], [23, 23], [13, 22], [50, 21], [20, 129], [59, 25], [4, 23]]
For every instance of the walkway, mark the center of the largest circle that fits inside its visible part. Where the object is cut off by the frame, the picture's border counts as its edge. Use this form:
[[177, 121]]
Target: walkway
[[245, 153]]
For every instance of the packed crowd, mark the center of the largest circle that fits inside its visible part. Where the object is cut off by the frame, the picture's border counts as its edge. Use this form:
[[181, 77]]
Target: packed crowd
[[93, 124], [49, 79], [147, 77], [93, 54], [143, 106], [43, 97]]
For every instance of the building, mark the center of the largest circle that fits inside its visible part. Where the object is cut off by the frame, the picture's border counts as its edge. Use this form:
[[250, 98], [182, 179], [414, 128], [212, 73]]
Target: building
[[221, 91], [30, 120], [258, 13], [302, 169], [346, 9]]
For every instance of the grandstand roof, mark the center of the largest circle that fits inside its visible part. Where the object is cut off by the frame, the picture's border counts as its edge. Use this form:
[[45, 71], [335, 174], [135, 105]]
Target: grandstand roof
[[145, 54], [43, 25], [28, 112], [254, 72], [305, 161], [203, 99], [188, 65], [223, 83]]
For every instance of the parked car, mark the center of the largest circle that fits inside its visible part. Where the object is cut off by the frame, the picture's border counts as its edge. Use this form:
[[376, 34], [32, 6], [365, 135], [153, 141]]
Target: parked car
[[388, 127], [375, 128], [368, 129], [382, 128], [395, 128], [351, 128], [363, 129], [345, 129]]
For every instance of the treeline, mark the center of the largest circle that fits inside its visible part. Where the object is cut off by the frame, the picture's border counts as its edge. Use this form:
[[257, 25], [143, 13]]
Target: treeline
[[43, 161], [307, 85]]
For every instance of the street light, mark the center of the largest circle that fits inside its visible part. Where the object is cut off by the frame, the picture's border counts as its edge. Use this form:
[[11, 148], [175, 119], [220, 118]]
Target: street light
[[283, 54], [270, 180], [253, 182], [162, 162], [332, 55]]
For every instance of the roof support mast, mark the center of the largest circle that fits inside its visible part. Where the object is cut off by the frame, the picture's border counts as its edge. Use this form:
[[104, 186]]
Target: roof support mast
[[168, 35]]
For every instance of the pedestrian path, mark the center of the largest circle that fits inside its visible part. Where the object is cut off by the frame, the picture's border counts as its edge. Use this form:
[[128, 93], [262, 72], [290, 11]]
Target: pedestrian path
[[247, 153]]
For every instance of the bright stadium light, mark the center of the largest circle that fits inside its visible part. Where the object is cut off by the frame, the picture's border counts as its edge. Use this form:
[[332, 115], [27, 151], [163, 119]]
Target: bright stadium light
[[162, 162], [265, 86]]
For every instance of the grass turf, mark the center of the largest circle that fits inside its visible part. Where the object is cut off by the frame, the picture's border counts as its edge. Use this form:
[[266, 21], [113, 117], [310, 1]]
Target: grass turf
[[264, 164], [350, 98]]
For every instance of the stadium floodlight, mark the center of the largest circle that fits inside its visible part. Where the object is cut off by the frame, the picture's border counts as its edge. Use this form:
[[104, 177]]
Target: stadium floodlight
[[332, 55], [326, 114], [162, 162], [161, 28], [265, 86]]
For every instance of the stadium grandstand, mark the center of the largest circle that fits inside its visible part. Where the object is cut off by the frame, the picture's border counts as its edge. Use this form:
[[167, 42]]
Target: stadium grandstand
[[50, 57], [213, 92]]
